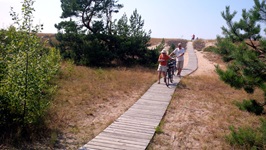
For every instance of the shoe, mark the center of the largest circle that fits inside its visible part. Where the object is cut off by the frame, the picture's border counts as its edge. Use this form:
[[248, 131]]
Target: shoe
[[165, 80], [158, 82], [171, 80]]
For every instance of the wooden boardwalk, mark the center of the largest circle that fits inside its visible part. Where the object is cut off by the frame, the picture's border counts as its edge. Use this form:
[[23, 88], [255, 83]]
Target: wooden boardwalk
[[136, 127]]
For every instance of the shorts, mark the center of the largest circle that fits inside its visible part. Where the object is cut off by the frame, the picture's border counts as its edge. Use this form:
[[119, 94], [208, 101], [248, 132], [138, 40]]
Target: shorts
[[179, 64], [162, 68]]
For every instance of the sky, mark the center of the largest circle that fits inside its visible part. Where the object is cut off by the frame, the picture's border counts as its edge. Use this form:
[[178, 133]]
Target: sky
[[165, 18]]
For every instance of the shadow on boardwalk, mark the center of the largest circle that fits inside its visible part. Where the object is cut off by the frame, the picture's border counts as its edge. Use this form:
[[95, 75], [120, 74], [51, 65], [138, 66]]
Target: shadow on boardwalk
[[135, 128]]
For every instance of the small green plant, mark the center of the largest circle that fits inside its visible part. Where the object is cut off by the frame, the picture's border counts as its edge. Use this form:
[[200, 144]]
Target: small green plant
[[247, 137], [99, 71], [250, 106], [158, 129], [53, 138], [67, 69]]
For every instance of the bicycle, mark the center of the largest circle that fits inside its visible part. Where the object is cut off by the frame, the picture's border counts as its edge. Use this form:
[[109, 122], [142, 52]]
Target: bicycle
[[170, 72]]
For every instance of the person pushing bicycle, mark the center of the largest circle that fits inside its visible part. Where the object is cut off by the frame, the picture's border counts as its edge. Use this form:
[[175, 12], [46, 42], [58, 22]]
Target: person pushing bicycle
[[162, 67], [179, 53]]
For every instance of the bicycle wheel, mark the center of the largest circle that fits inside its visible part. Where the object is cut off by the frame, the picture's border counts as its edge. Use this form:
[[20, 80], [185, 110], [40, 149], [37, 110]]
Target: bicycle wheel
[[168, 77], [172, 75]]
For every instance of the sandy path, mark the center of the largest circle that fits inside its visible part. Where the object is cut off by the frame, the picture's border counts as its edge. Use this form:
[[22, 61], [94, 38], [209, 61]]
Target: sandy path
[[204, 65]]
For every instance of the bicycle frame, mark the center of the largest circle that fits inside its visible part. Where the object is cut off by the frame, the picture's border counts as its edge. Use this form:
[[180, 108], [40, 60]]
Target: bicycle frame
[[170, 72]]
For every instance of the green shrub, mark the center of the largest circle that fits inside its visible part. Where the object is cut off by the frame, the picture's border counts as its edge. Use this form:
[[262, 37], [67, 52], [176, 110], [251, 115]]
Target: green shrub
[[250, 106], [28, 67], [209, 49], [247, 137]]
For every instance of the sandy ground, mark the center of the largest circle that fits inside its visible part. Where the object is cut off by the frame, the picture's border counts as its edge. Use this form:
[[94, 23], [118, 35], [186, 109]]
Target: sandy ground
[[205, 67]]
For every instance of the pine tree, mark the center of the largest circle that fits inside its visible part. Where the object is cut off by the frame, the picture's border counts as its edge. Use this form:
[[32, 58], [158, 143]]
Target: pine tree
[[244, 49]]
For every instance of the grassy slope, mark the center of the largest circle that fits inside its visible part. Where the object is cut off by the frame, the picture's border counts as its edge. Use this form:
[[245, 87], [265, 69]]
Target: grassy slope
[[89, 99]]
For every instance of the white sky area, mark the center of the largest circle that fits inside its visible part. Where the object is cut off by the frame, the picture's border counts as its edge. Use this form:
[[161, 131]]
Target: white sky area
[[165, 18]]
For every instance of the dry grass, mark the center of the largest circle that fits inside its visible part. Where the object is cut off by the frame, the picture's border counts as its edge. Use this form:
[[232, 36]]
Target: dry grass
[[89, 99], [169, 41], [200, 113]]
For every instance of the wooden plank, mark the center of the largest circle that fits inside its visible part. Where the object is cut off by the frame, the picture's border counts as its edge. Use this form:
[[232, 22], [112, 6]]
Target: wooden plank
[[146, 115], [156, 97], [152, 122], [133, 124], [128, 120], [148, 108], [124, 135], [135, 141], [131, 129], [146, 111], [114, 145], [130, 133], [161, 91], [93, 147], [151, 102]]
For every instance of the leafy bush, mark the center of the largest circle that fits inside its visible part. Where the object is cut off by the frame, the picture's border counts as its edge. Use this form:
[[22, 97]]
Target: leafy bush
[[28, 67]]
